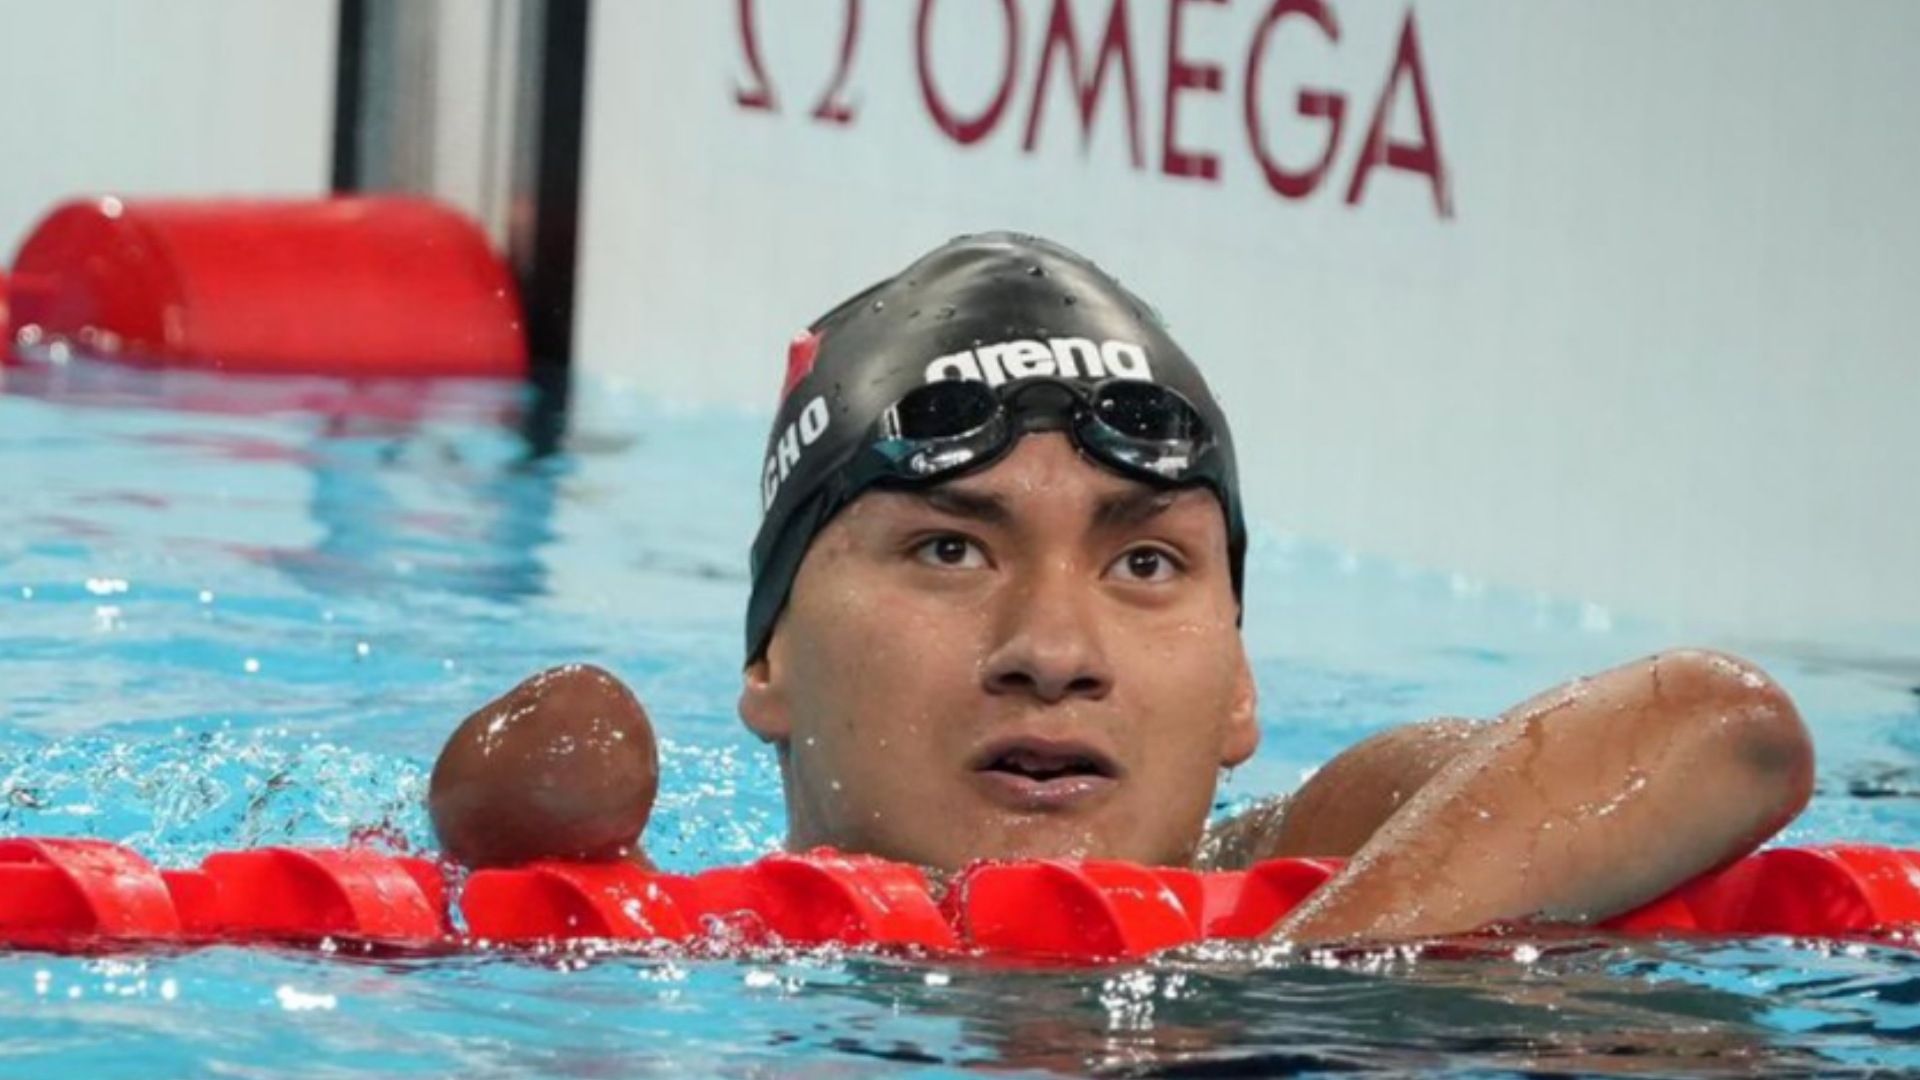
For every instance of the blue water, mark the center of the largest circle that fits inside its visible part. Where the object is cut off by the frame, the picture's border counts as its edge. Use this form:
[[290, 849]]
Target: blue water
[[236, 613]]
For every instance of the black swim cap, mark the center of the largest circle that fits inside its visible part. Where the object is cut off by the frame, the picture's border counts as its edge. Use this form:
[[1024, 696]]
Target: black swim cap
[[996, 308]]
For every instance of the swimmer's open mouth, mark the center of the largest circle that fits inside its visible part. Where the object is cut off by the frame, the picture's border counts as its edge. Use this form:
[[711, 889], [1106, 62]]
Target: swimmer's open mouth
[[1042, 760]]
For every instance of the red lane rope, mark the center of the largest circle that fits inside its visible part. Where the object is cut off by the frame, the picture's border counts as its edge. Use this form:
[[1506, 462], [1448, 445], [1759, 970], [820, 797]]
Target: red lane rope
[[83, 894]]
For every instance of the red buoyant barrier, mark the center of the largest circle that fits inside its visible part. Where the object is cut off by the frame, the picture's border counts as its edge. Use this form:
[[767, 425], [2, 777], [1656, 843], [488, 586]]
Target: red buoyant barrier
[[363, 286], [550, 901], [1056, 907], [58, 892], [87, 894]]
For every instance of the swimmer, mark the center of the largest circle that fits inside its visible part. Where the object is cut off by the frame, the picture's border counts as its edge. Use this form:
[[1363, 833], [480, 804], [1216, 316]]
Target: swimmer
[[995, 614]]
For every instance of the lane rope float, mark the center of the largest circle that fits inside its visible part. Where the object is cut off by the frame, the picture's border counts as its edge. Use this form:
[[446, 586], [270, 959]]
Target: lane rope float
[[78, 894]]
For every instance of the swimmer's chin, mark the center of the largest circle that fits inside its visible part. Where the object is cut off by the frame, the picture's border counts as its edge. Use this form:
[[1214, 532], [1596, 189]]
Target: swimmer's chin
[[1079, 848]]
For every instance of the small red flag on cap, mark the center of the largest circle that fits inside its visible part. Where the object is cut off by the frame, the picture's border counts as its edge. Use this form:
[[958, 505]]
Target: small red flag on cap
[[800, 355]]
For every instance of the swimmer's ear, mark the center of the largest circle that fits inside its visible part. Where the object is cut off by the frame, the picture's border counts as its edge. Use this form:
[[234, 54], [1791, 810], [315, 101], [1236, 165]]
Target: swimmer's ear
[[1241, 737], [763, 701]]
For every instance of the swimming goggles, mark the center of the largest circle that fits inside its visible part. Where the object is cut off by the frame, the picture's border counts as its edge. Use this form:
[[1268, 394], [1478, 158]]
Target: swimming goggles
[[943, 429]]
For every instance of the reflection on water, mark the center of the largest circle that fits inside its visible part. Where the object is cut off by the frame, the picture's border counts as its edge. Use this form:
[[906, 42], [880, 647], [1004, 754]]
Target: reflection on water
[[1592, 1007], [374, 530]]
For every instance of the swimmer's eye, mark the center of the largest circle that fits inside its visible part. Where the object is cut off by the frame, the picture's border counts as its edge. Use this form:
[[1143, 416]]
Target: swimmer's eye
[[1146, 565], [950, 551]]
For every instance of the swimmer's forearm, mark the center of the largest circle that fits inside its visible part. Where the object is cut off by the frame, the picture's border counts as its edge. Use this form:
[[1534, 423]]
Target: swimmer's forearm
[[1580, 805]]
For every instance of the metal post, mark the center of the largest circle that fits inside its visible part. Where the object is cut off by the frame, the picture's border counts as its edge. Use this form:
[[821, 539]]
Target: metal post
[[481, 105]]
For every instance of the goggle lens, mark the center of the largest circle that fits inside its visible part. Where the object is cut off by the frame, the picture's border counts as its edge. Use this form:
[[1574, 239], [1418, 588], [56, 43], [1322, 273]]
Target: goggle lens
[[941, 410], [1148, 412]]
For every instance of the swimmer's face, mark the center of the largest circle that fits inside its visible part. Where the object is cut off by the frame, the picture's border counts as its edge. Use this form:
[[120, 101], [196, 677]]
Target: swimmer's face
[[1040, 659]]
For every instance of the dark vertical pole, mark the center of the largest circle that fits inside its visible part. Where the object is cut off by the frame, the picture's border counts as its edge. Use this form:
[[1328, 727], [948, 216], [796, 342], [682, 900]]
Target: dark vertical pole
[[348, 94], [547, 267], [547, 278]]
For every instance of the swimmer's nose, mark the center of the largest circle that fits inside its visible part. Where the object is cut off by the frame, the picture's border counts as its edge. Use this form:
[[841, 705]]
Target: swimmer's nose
[[1050, 645]]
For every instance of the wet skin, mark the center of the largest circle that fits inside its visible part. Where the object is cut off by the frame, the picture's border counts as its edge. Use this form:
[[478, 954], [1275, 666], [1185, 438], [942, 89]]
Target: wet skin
[[1038, 659], [1041, 659], [1581, 803]]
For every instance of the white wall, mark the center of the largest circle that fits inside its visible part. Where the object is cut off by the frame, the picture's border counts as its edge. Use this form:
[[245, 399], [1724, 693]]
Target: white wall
[[187, 97], [1659, 356]]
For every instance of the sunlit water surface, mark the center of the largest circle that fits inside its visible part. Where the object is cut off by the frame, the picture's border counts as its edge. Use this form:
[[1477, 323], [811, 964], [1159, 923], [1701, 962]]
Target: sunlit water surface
[[237, 613]]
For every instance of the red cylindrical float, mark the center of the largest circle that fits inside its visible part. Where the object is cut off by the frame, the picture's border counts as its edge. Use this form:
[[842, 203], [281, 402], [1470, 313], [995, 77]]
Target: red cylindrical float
[[317, 892], [1067, 908], [60, 891], [364, 286], [823, 896], [561, 900]]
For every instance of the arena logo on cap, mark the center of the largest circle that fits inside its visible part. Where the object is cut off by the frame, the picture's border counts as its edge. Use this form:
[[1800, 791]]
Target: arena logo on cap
[[802, 432], [1069, 358]]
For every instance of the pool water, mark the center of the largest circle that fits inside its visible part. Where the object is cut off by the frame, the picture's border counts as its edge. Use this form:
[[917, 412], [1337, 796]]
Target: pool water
[[236, 613]]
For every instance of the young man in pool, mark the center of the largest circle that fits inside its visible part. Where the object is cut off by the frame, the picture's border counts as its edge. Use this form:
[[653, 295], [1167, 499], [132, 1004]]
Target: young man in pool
[[995, 614]]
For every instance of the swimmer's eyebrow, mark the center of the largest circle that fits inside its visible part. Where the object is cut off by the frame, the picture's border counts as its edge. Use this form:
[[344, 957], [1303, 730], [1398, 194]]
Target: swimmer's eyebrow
[[1130, 509], [1119, 510], [967, 505]]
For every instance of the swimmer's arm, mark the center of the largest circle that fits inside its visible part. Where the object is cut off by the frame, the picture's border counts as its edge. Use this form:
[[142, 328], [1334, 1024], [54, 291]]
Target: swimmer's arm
[[1579, 804], [1343, 804]]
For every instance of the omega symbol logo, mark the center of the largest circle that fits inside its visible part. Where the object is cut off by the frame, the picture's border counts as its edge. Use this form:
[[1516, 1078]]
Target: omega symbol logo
[[832, 107]]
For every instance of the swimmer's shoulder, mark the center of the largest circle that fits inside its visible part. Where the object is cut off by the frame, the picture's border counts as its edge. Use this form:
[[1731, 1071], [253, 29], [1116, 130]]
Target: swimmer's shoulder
[[1245, 838]]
